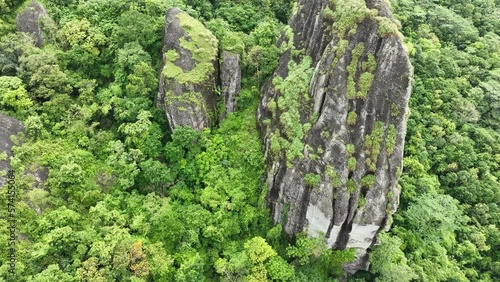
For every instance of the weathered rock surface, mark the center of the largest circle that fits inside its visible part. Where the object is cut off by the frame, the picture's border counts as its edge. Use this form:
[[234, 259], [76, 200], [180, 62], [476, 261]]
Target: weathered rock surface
[[31, 19], [187, 90], [230, 79], [333, 120], [10, 126]]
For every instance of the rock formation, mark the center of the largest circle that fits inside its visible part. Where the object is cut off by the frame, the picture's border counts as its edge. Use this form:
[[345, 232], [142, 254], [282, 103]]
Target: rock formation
[[333, 120], [230, 79], [188, 80], [8, 126], [31, 20], [12, 127]]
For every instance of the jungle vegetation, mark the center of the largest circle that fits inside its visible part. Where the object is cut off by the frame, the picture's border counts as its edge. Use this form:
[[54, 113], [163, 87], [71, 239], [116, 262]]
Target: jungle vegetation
[[127, 200]]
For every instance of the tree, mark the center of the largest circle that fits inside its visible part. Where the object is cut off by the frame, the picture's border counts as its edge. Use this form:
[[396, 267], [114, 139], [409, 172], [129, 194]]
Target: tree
[[389, 261], [42, 75], [433, 217], [138, 262], [13, 95], [252, 262], [50, 273]]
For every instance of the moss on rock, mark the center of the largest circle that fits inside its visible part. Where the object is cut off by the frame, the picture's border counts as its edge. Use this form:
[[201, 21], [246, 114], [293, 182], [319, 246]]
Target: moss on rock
[[202, 45], [188, 82]]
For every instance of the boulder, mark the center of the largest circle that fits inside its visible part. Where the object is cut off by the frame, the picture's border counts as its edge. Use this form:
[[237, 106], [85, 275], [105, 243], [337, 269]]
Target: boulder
[[188, 79], [31, 20], [333, 120]]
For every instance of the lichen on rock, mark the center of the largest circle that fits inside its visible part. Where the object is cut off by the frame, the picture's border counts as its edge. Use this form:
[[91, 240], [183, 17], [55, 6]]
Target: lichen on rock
[[336, 107]]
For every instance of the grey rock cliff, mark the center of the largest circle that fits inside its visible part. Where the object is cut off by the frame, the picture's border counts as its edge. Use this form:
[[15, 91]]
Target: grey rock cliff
[[187, 90], [31, 20], [230, 79], [333, 120]]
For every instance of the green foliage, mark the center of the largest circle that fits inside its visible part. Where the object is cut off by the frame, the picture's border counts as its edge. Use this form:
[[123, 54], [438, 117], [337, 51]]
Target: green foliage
[[258, 250], [390, 140], [361, 201], [364, 83], [351, 164], [449, 142], [305, 248], [373, 143], [41, 74], [228, 39], [253, 262], [350, 149], [142, 81], [435, 217], [370, 64], [245, 15], [348, 14], [368, 181], [262, 52], [334, 178], [136, 25], [389, 261], [351, 186], [295, 91], [278, 269], [125, 200], [181, 153], [341, 48], [315, 260], [312, 180], [352, 118], [351, 70], [203, 47], [14, 96], [386, 26], [80, 33]]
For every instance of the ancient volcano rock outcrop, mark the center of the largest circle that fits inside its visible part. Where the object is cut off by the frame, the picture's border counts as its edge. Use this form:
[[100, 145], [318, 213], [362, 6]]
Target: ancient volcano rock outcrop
[[230, 79], [333, 119], [32, 19], [188, 80]]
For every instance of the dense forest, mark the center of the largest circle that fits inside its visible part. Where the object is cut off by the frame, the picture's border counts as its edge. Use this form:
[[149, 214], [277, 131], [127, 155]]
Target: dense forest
[[126, 199]]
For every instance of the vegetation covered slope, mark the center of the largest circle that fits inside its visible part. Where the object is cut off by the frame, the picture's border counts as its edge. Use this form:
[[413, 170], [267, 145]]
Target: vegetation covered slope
[[126, 200], [447, 227]]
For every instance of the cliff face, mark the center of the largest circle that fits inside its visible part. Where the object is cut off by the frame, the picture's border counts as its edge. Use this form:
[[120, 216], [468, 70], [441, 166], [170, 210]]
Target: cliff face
[[187, 91], [230, 79], [333, 120]]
